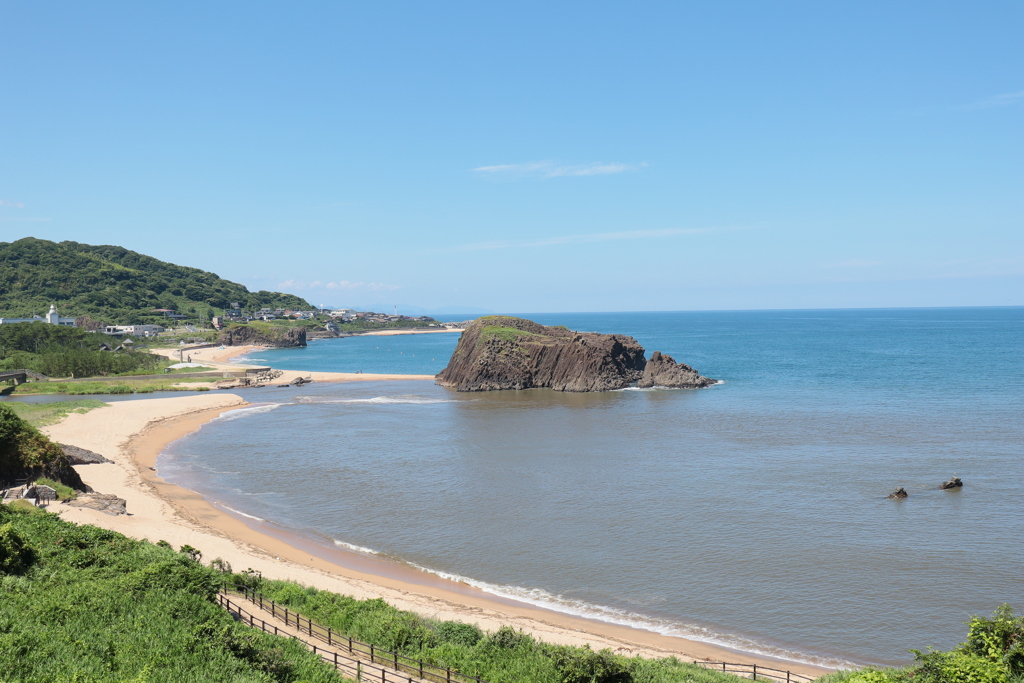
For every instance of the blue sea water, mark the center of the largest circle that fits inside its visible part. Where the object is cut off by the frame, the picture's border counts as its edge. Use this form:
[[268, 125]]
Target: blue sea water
[[751, 513]]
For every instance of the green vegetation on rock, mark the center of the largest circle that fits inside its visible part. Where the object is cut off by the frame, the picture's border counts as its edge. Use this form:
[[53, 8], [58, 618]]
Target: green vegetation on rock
[[23, 446], [115, 285]]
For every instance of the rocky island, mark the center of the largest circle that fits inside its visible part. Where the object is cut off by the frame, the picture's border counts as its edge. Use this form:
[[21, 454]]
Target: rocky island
[[502, 352]]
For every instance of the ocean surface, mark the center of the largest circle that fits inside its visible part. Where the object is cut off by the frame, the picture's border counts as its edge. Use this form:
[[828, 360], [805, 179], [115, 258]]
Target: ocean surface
[[751, 514]]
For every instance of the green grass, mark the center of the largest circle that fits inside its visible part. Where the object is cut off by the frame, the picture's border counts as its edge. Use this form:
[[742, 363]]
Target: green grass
[[505, 333], [124, 386], [64, 492], [89, 605], [504, 656], [43, 414]]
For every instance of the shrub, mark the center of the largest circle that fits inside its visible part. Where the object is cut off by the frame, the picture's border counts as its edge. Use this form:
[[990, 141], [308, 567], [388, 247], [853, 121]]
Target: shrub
[[1000, 639], [15, 554], [458, 633], [959, 667], [583, 665]]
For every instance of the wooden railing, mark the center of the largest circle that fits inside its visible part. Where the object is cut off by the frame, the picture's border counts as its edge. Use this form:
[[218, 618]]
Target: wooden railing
[[353, 652]]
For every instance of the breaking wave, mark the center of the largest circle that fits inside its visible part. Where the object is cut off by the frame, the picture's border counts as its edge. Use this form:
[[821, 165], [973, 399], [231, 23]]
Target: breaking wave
[[355, 548], [239, 512], [579, 608], [247, 411]]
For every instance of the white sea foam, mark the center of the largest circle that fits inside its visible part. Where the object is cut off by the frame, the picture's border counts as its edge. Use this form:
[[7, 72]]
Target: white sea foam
[[239, 512], [377, 400], [558, 603], [246, 412], [355, 548]]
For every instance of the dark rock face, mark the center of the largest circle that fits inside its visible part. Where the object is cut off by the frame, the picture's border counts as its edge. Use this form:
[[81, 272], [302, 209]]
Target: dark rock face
[[80, 456], [664, 371], [953, 483], [243, 335], [499, 352], [898, 494]]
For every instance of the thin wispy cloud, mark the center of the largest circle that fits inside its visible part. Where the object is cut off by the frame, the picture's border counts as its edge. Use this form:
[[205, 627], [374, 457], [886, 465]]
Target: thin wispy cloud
[[580, 239], [1002, 100], [551, 169], [342, 285], [852, 263], [13, 205]]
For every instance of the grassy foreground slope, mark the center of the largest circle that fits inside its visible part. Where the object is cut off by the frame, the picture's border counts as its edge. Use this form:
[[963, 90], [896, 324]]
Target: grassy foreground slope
[[114, 284], [84, 604]]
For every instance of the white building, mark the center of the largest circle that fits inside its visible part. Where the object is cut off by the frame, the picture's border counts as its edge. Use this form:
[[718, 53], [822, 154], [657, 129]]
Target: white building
[[134, 330], [53, 318]]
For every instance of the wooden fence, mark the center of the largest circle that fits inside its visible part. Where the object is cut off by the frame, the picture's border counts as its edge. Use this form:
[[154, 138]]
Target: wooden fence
[[353, 652]]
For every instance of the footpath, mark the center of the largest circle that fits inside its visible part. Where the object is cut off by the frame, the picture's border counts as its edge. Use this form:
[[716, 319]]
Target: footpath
[[349, 657]]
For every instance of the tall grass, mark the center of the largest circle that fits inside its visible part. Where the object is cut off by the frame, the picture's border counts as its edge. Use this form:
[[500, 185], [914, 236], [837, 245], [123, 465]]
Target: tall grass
[[84, 604]]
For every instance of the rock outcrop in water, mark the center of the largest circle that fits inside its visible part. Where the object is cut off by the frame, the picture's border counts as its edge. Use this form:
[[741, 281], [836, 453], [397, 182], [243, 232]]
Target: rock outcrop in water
[[501, 352], [664, 371], [953, 483], [243, 335]]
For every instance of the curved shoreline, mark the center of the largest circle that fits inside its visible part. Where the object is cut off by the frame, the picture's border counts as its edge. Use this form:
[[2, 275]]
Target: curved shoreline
[[162, 510]]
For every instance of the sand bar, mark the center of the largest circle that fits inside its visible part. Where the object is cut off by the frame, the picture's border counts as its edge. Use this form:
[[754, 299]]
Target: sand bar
[[391, 333], [133, 433]]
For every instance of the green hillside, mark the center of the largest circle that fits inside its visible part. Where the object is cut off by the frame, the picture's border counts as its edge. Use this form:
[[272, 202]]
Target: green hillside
[[114, 285]]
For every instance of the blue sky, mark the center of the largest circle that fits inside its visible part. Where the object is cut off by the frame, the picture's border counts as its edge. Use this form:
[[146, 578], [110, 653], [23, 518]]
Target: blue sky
[[531, 156]]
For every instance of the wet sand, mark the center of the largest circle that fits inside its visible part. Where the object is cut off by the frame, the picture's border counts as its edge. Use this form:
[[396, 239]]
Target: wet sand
[[134, 433]]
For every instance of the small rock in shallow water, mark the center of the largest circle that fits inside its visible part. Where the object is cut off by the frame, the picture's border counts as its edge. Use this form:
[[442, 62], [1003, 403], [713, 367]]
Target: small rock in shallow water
[[898, 493], [953, 483]]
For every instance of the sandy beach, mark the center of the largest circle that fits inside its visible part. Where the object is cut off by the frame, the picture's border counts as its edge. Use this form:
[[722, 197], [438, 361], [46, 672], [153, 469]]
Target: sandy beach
[[133, 434], [391, 333]]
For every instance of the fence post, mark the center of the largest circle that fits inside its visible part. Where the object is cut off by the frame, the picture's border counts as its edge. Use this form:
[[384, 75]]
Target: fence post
[[329, 636], [755, 672], [350, 644], [371, 654], [421, 668], [396, 660], [335, 660], [449, 670], [787, 677]]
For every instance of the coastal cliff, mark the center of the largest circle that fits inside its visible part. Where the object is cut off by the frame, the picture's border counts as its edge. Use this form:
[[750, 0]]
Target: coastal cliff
[[243, 335], [501, 352]]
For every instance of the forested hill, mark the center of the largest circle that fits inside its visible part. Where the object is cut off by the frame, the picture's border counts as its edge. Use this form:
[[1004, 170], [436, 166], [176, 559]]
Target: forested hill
[[114, 284]]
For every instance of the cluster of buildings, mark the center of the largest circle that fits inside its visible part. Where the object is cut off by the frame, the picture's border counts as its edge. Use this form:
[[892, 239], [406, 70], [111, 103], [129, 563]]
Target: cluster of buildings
[[234, 314]]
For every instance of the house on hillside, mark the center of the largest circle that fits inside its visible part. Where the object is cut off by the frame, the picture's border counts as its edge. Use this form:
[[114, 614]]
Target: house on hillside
[[53, 318]]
